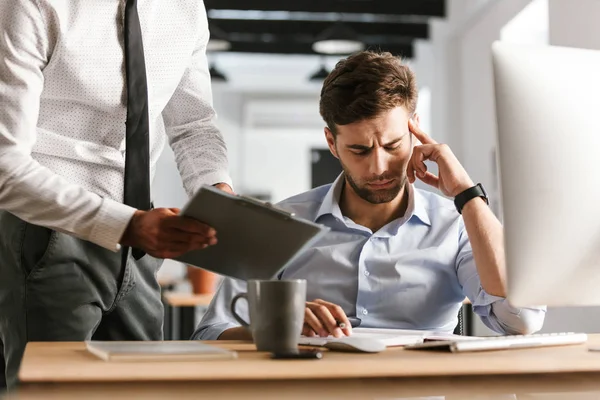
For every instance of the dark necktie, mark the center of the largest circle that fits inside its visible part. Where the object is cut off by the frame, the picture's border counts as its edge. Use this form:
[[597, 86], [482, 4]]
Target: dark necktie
[[137, 148]]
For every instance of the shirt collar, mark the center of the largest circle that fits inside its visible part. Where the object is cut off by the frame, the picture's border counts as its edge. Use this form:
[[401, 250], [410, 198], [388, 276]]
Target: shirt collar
[[417, 205], [330, 204]]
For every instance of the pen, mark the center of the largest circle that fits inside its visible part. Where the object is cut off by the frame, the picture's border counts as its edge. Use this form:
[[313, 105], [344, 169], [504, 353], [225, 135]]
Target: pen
[[354, 322]]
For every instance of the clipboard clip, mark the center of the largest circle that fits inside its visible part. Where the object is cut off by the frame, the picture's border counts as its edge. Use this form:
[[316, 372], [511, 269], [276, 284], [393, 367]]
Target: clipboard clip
[[262, 204]]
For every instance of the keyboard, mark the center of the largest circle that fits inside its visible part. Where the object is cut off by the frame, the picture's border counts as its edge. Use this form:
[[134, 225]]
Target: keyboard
[[502, 342]]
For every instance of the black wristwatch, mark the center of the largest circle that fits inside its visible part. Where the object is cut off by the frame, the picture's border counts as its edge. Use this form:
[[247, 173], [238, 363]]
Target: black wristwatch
[[462, 198]]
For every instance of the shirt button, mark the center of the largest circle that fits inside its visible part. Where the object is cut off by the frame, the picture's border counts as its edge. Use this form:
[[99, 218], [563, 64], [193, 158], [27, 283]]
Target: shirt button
[[365, 312], [367, 273]]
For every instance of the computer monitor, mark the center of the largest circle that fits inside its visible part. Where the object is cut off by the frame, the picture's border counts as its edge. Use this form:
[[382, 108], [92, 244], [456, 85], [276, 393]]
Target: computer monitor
[[548, 116]]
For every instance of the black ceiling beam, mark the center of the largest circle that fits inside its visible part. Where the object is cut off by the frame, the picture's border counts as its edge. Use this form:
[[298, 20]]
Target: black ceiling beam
[[314, 28], [280, 47], [433, 8]]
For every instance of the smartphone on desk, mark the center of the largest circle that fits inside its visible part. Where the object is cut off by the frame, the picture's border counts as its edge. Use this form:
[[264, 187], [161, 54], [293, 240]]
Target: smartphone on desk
[[301, 354]]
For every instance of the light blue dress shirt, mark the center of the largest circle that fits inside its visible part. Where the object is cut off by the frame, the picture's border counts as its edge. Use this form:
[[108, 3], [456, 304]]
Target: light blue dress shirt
[[413, 273]]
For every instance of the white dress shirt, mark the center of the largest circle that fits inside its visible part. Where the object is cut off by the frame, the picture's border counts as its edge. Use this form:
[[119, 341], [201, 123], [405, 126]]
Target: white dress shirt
[[63, 109]]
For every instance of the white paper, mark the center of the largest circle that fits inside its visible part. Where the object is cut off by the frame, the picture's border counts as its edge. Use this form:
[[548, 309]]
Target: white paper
[[390, 337]]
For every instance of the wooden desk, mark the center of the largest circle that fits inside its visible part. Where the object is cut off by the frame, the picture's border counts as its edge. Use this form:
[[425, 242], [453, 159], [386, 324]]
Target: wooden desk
[[66, 370], [180, 313]]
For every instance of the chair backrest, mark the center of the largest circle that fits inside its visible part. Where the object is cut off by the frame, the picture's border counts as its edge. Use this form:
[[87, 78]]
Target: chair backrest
[[460, 327]]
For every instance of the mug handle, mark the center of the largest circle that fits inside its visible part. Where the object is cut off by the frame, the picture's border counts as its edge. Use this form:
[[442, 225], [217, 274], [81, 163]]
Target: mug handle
[[235, 315]]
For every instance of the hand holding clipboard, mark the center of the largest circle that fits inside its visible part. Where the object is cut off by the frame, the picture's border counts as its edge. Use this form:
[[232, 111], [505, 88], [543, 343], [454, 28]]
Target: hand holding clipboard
[[255, 239]]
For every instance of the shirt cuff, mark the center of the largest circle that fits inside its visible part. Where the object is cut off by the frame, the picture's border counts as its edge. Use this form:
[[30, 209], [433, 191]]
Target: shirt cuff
[[482, 305], [111, 222], [212, 332]]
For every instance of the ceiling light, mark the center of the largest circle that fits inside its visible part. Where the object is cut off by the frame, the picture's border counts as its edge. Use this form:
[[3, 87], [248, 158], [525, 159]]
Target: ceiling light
[[218, 40], [218, 45], [338, 39]]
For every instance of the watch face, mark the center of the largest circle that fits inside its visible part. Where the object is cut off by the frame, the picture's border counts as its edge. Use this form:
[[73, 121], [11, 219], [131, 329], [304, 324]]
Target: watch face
[[483, 190], [485, 195]]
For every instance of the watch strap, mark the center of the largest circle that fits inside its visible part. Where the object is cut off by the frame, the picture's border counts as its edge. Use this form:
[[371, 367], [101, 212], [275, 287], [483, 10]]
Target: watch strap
[[473, 192]]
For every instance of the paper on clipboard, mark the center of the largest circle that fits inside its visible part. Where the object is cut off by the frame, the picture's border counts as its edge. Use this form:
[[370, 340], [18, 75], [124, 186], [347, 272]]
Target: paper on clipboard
[[255, 239]]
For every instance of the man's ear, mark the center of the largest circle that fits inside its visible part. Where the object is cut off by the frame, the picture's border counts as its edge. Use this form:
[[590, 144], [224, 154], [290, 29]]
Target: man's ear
[[331, 142]]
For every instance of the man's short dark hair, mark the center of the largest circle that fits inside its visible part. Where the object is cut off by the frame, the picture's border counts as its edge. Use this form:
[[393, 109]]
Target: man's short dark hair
[[365, 85]]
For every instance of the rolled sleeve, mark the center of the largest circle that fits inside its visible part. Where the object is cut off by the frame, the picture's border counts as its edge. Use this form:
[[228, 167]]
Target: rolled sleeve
[[500, 316], [218, 317], [494, 311]]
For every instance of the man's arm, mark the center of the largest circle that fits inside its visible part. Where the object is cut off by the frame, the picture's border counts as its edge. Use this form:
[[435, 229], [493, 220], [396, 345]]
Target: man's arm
[[27, 189], [198, 145], [480, 263], [218, 322], [494, 311], [487, 240]]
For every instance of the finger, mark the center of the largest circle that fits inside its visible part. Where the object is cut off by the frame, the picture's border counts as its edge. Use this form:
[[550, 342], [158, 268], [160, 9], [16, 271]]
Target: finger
[[426, 152], [419, 134], [190, 225], [315, 323], [410, 171], [308, 331], [430, 179], [418, 160], [324, 314], [167, 239], [339, 315]]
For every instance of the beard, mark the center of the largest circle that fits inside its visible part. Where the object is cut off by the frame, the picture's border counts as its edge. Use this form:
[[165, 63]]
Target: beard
[[376, 196]]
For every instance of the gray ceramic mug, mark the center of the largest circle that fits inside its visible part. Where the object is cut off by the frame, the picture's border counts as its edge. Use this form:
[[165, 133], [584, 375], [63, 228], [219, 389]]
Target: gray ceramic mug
[[276, 313]]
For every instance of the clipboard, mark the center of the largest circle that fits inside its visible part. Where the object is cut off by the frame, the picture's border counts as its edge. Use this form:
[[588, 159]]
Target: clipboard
[[256, 240]]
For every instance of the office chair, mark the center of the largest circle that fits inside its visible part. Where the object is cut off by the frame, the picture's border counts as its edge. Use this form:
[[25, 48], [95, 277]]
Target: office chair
[[460, 327]]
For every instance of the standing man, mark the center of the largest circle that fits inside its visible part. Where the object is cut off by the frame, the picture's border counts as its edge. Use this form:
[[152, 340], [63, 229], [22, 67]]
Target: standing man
[[89, 94]]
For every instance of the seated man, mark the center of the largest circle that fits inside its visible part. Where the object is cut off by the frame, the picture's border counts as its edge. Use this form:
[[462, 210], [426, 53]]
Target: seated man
[[396, 256]]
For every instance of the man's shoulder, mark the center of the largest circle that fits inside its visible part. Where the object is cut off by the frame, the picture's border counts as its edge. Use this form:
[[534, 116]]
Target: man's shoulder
[[306, 205]]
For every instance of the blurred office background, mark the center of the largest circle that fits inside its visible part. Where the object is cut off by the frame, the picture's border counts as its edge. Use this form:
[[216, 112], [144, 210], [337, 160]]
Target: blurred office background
[[267, 74]]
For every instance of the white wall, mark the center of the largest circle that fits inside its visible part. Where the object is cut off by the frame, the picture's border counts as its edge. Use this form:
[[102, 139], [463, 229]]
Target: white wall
[[575, 23]]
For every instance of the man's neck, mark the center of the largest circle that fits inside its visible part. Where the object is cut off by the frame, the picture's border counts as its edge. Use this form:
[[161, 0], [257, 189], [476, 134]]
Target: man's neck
[[372, 216]]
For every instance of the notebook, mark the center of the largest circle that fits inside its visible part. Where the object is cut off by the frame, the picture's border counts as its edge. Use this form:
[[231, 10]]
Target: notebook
[[157, 351], [390, 337]]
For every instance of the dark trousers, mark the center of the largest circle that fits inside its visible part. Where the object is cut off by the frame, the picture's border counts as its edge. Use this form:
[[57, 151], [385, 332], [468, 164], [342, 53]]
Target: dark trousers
[[55, 287]]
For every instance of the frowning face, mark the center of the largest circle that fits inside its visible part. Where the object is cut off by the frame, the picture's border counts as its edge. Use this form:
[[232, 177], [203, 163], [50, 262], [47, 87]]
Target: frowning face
[[374, 154]]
